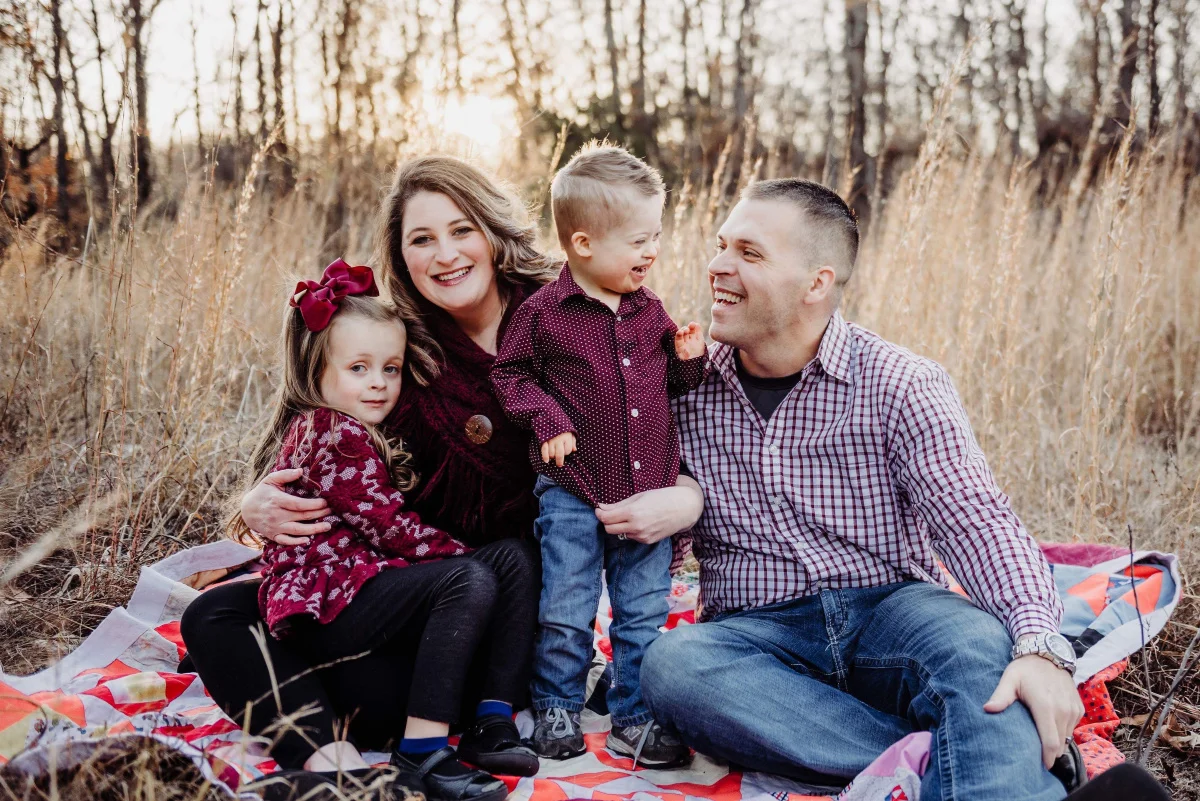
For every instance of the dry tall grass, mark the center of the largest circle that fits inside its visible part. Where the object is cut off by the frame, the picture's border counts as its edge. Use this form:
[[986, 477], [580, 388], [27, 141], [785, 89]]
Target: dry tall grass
[[136, 374]]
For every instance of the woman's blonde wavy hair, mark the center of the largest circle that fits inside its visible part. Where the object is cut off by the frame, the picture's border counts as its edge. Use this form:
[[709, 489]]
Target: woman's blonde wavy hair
[[305, 354], [489, 204]]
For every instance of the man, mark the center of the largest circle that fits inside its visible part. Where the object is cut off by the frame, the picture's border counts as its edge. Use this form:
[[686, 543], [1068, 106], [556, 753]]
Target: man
[[834, 465]]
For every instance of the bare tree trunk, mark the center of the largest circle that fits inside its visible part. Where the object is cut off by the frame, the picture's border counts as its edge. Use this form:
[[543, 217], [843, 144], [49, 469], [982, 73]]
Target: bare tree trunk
[[1019, 69], [741, 58], [196, 86], [1096, 14], [260, 72], [455, 8], [887, 42], [1182, 18], [238, 102], [611, 41], [407, 79], [278, 120], [342, 38], [1043, 90], [138, 20], [962, 34], [639, 83], [107, 172], [536, 68], [60, 127], [716, 63], [1129, 61], [593, 79], [829, 171], [1152, 64], [81, 113], [689, 98], [515, 85], [998, 89], [857, 21], [291, 62]]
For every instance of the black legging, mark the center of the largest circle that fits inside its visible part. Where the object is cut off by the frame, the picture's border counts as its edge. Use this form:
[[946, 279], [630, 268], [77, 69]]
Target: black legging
[[440, 636]]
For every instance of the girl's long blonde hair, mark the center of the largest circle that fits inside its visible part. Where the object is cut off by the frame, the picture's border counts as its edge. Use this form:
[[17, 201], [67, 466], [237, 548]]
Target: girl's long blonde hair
[[305, 354], [490, 205]]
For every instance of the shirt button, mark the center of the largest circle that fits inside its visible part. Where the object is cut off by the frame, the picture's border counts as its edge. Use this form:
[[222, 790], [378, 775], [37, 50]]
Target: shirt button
[[625, 362], [633, 412], [774, 449], [618, 318], [637, 465]]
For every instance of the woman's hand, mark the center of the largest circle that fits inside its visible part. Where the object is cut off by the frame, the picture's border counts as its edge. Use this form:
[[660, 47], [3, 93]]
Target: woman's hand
[[280, 517], [655, 514]]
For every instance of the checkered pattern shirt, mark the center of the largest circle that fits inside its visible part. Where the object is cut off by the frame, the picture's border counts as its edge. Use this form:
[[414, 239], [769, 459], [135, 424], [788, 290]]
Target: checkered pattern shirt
[[865, 470]]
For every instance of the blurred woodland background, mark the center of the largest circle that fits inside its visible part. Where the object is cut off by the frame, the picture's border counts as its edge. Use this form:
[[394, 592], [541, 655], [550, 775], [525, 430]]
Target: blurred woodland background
[[1022, 168]]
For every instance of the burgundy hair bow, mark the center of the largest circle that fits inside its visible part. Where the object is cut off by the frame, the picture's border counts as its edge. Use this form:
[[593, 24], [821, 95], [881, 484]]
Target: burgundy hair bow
[[318, 301]]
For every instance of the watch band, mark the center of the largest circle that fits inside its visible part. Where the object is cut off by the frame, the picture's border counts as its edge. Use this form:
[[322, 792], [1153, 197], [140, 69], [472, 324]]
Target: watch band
[[1051, 646]]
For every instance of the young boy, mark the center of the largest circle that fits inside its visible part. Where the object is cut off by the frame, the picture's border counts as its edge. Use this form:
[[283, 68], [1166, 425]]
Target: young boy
[[588, 364]]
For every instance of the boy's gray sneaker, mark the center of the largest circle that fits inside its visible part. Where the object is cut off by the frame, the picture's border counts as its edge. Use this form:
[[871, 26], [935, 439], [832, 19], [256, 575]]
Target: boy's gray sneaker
[[650, 744], [556, 734]]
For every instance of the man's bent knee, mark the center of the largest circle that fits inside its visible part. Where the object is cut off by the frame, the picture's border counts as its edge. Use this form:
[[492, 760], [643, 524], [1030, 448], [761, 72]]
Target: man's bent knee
[[665, 669]]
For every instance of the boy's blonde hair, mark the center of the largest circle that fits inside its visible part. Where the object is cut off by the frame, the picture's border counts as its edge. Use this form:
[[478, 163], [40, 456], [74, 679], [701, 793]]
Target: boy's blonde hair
[[585, 194]]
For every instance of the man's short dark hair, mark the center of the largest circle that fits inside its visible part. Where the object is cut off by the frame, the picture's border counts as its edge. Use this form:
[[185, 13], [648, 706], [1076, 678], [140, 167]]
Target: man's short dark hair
[[837, 242]]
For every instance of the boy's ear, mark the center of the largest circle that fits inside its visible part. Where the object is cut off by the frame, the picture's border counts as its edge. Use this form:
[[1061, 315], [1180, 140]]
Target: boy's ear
[[581, 244]]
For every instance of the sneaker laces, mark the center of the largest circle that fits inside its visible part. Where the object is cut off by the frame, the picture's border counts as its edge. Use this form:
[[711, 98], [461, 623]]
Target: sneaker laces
[[560, 722], [637, 752]]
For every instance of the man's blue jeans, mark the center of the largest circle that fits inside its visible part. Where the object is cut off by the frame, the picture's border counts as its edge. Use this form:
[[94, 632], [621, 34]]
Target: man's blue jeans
[[816, 688], [575, 548]]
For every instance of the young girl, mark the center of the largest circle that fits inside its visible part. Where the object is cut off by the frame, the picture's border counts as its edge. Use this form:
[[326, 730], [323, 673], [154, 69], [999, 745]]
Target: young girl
[[378, 573]]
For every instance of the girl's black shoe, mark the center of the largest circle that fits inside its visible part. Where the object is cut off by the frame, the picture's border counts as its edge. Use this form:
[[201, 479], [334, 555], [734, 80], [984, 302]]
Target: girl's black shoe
[[443, 778], [494, 744]]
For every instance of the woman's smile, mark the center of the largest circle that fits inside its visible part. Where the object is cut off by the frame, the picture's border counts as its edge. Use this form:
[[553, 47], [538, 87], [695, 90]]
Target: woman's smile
[[452, 277]]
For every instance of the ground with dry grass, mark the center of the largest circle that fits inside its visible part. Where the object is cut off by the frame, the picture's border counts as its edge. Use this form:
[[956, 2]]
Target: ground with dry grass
[[133, 376]]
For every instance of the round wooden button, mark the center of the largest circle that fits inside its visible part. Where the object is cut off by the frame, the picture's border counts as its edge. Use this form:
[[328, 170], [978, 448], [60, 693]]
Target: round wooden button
[[479, 429]]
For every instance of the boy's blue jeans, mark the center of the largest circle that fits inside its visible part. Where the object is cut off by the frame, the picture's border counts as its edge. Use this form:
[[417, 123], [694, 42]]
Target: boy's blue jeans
[[575, 548], [816, 688]]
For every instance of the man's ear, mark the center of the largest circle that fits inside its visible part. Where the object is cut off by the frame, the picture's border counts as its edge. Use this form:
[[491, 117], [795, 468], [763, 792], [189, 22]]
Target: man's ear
[[822, 285], [581, 244]]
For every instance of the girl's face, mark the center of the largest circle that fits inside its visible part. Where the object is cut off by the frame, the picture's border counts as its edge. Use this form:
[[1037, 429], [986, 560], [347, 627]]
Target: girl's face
[[363, 368], [448, 257]]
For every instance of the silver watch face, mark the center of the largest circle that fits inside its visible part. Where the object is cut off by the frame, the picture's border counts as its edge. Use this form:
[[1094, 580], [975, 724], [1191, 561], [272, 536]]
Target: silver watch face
[[1060, 646]]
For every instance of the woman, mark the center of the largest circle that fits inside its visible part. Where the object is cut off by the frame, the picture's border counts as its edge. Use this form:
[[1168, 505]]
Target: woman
[[458, 257]]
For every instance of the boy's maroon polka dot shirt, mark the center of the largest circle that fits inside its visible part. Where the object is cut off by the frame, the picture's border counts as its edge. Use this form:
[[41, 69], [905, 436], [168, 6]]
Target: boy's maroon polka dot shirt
[[569, 363]]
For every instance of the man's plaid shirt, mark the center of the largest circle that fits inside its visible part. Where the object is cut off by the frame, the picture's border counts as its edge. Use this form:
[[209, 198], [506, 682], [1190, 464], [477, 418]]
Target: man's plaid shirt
[[866, 468]]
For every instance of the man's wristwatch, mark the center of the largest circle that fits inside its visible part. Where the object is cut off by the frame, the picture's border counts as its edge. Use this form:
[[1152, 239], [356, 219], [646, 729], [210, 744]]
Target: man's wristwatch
[[1049, 645]]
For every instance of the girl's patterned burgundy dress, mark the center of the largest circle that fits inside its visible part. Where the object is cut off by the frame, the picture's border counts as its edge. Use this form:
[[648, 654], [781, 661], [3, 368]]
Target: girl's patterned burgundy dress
[[371, 530]]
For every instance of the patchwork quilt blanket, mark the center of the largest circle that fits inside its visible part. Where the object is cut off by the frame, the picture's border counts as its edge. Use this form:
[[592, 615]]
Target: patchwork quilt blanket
[[122, 681]]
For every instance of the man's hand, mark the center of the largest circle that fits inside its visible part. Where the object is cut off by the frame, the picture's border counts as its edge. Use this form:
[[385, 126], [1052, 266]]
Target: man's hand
[[654, 515], [280, 517], [689, 342], [558, 448], [1049, 693]]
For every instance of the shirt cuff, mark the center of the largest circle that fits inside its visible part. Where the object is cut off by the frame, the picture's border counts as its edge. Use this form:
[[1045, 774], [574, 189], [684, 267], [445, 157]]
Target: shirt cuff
[[1031, 619], [549, 423], [692, 371]]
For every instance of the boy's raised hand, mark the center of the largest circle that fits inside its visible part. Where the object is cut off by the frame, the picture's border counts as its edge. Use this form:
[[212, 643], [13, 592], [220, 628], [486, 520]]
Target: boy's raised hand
[[689, 342], [558, 448]]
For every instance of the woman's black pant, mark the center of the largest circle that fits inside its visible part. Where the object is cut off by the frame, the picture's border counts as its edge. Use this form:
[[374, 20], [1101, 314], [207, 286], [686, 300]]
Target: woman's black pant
[[430, 640]]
